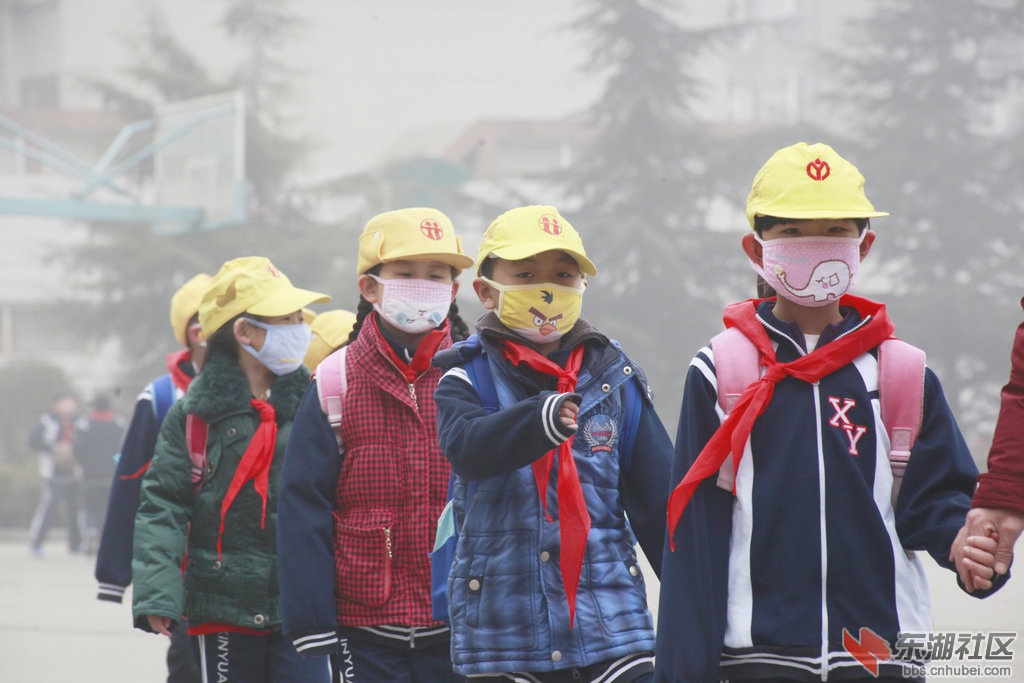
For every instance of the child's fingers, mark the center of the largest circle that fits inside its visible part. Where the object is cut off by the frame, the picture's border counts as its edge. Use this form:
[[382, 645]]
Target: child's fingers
[[988, 544]]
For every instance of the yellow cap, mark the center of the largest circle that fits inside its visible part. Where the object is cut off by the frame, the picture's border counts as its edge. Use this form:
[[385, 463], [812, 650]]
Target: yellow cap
[[330, 332], [530, 230], [809, 181], [417, 234], [251, 284], [185, 304]]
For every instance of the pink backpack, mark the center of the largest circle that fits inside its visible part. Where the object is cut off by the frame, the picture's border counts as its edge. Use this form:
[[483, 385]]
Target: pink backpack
[[900, 392], [331, 385]]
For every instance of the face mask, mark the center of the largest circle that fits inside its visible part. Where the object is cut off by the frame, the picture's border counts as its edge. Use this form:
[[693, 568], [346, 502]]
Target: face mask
[[541, 313], [413, 305], [283, 348], [810, 271]]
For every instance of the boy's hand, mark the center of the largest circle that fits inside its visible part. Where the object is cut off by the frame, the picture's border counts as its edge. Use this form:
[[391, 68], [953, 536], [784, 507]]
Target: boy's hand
[[160, 624], [567, 414], [1001, 526], [977, 560]]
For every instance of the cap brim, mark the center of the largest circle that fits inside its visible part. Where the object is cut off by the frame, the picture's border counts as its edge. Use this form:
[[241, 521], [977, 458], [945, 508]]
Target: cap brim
[[288, 301], [455, 260], [516, 252], [814, 214]]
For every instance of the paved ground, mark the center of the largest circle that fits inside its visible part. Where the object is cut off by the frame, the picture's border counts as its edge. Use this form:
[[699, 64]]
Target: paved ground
[[53, 630]]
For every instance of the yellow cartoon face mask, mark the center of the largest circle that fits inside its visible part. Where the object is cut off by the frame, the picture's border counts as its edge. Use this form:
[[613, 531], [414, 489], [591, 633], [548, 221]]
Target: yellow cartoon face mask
[[540, 313]]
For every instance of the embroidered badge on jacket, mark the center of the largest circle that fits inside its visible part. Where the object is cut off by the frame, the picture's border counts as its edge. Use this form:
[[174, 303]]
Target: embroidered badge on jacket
[[601, 433]]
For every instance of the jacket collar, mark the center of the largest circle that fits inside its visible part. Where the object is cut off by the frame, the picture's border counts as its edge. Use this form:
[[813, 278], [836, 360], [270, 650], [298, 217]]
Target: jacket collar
[[856, 311], [222, 388]]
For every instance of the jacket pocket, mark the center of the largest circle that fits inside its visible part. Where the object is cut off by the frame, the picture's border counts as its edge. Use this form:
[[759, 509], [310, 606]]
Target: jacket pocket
[[620, 596], [496, 594], [363, 555]]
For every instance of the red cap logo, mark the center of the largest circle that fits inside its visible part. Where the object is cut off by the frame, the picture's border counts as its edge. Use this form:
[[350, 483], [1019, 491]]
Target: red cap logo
[[550, 225], [431, 229], [818, 170]]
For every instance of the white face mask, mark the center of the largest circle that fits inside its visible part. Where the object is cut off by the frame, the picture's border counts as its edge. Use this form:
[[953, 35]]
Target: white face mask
[[810, 271], [413, 305], [283, 348]]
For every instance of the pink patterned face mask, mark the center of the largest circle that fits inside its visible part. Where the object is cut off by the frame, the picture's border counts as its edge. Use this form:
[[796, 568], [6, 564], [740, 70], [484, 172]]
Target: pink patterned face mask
[[414, 305], [810, 271]]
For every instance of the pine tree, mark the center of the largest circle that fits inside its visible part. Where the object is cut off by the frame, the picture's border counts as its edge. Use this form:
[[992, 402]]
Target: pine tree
[[131, 270], [640, 196], [915, 82]]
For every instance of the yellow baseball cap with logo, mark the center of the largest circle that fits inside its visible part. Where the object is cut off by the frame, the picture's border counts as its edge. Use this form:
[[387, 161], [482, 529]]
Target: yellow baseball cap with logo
[[809, 181], [415, 234], [185, 304], [330, 332], [529, 230], [251, 284]]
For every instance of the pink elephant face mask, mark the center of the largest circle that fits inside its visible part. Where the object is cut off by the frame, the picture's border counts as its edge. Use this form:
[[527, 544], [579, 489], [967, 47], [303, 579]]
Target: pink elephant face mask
[[810, 271]]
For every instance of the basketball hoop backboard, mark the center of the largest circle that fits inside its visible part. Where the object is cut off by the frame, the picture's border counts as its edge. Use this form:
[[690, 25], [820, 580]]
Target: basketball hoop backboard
[[198, 152], [203, 162]]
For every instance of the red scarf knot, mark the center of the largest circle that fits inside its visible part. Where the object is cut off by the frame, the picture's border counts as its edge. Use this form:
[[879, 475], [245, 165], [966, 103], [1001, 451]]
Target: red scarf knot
[[254, 465], [424, 354], [573, 517]]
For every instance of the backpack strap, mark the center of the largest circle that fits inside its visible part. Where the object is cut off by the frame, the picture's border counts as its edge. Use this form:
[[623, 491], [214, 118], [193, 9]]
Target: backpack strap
[[901, 371], [479, 371], [163, 397], [195, 437], [737, 366], [331, 385]]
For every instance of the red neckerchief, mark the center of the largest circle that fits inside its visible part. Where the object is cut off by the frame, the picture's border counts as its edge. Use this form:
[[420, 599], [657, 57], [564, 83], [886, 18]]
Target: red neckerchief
[[424, 351], [179, 377], [734, 431], [255, 464], [573, 518]]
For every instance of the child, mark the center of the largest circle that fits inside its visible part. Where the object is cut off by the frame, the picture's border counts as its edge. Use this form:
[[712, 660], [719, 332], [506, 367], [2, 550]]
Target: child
[[329, 331], [786, 577], [59, 471], [358, 522], [114, 558], [96, 443], [213, 499], [545, 585]]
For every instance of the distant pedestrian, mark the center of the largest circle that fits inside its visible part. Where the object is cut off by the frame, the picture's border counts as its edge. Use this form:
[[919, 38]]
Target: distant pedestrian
[[61, 476], [96, 443]]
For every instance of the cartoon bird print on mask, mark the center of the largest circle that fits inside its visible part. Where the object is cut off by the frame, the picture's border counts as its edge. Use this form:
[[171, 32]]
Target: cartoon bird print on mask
[[542, 314]]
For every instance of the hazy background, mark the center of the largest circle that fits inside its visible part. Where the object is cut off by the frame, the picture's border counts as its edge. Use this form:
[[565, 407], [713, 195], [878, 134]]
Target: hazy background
[[643, 121]]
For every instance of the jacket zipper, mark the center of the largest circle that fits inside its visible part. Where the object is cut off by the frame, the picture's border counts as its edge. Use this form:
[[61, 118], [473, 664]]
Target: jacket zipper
[[412, 387], [387, 564]]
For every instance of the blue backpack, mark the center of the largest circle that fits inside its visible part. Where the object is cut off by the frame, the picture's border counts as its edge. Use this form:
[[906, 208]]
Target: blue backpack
[[447, 536]]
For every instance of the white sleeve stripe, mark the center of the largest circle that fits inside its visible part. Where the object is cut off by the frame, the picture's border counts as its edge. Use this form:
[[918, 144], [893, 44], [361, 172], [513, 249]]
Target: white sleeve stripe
[[459, 373], [315, 640], [548, 417]]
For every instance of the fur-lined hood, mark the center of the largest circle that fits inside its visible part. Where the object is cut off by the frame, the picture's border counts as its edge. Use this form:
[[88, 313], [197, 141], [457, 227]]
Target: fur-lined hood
[[222, 388]]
